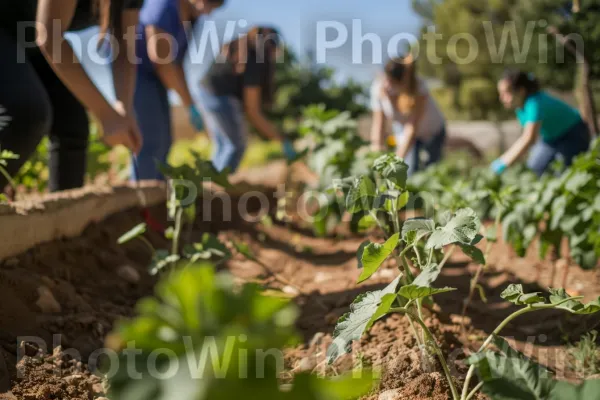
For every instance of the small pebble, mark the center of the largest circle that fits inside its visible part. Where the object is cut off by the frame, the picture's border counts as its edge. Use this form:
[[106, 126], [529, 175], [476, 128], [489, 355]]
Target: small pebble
[[47, 302], [128, 274]]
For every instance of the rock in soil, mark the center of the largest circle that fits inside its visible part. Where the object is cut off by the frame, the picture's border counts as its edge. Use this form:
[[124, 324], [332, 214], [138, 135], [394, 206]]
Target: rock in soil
[[129, 274], [47, 302]]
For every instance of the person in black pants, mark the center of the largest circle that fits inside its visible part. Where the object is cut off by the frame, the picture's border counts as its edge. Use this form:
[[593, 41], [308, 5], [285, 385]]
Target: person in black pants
[[45, 91]]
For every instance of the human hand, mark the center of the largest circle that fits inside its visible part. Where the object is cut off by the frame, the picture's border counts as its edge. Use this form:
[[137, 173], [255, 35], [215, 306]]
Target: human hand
[[498, 166], [121, 130], [196, 118], [288, 149]]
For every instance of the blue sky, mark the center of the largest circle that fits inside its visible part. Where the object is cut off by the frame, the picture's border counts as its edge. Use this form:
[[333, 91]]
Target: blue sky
[[298, 22]]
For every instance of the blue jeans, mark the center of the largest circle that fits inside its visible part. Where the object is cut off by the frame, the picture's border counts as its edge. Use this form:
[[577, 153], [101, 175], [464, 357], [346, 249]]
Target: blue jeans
[[224, 119], [153, 112], [566, 148], [433, 147]]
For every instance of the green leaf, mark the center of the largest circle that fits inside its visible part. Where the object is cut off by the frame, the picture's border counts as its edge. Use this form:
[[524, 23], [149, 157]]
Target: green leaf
[[427, 276], [353, 324], [350, 386], [3, 198], [361, 196], [474, 252], [514, 294], [491, 234], [210, 248], [573, 306], [244, 250], [414, 292], [559, 206], [463, 228], [393, 169], [422, 226], [565, 390], [133, 233], [509, 375], [578, 181], [162, 259], [372, 255]]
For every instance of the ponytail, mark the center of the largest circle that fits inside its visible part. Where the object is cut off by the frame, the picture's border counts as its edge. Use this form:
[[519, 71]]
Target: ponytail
[[399, 69]]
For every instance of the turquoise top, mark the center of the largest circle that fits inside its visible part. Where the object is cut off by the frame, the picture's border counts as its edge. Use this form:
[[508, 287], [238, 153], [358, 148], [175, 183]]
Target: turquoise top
[[556, 116]]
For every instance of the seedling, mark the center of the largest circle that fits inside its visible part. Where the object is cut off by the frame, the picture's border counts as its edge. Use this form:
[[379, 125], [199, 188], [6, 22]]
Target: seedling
[[6, 155], [181, 211]]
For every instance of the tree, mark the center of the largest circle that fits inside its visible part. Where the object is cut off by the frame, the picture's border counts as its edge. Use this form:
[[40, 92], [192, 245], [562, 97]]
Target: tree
[[575, 28]]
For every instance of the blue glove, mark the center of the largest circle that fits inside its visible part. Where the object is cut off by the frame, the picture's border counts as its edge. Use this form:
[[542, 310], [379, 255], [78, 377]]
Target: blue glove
[[498, 166], [288, 150], [196, 118]]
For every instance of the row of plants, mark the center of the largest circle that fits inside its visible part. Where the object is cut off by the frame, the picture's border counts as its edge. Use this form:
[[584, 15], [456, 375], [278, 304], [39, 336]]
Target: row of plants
[[426, 244], [193, 301]]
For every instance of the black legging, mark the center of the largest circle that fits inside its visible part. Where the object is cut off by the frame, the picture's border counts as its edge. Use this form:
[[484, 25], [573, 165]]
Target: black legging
[[39, 104]]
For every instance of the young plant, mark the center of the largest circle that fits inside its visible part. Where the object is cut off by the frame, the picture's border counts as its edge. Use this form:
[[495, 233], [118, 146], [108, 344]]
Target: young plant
[[508, 374], [6, 155], [180, 209], [585, 354], [424, 239], [223, 342], [333, 151]]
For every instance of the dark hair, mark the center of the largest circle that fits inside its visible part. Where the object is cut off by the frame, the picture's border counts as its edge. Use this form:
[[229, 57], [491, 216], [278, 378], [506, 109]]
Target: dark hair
[[110, 12], [518, 79], [254, 44], [397, 69]]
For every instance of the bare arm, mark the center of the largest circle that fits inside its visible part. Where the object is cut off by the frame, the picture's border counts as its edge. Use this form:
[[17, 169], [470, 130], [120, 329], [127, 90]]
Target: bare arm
[[124, 71], [525, 141], [377, 136], [252, 104], [61, 57], [53, 17], [172, 75], [411, 128]]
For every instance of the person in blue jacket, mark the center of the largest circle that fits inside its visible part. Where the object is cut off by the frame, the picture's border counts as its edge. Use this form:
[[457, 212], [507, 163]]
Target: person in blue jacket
[[552, 128], [162, 49]]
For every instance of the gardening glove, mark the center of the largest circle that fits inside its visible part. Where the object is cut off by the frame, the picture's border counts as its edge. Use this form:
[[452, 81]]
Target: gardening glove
[[196, 118], [498, 166], [288, 150]]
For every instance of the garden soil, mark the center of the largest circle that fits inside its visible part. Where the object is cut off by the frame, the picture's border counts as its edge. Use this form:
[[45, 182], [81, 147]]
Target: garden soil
[[69, 293]]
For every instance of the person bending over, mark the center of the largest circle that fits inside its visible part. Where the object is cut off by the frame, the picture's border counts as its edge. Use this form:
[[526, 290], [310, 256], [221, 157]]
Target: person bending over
[[45, 90], [163, 47], [401, 97], [551, 128], [240, 85]]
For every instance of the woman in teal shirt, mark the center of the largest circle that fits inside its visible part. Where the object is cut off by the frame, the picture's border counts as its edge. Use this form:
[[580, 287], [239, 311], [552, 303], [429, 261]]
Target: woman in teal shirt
[[554, 128]]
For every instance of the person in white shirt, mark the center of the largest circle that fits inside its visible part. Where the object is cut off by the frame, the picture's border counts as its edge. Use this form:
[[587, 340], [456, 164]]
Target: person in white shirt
[[402, 98]]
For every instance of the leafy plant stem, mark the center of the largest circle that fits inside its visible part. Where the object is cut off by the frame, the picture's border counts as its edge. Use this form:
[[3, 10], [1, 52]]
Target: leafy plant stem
[[9, 179], [373, 215], [447, 256], [430, 259], [507, 320], [474, 391], [435, 347], [148, 244], [420, 312], [177, 231], [407, 271]]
